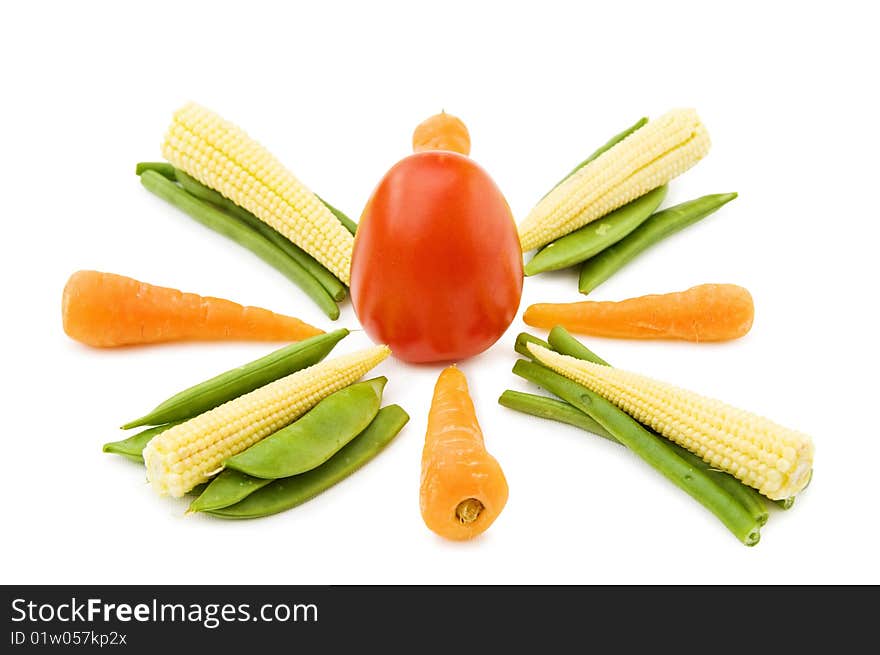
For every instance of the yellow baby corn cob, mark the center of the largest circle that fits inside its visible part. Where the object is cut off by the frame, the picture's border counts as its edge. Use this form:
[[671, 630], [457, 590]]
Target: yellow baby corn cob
[[221, 156], [188, 454], [646, 159], [774, 460]]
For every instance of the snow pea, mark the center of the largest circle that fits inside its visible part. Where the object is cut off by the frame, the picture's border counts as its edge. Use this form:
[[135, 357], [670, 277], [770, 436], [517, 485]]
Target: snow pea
[[287, 493], [664, 223], [134, 445], [315, 437], [324, 277], [227, 489], [594, 237], [244, 379], [233, 228]]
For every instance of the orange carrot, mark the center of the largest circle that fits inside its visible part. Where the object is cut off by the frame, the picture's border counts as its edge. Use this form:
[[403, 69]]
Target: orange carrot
[[708, 312], [463, 488], [106, 310], [442, 132]]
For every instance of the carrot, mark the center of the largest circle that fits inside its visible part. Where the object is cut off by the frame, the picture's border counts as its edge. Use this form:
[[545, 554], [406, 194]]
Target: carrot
[[463, 489], [106, 310], [708, 312], [442, 132]]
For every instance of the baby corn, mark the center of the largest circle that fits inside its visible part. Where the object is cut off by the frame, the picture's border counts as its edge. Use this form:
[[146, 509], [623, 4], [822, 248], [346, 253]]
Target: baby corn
[[648, 158], [774, 460]]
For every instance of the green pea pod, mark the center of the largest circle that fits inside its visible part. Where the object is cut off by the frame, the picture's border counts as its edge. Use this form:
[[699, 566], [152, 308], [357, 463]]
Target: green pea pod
[[315, 437], [324, 277], [659, 226], [613, 141], [594, 237], [284, 494], [229, 226], [134, 445], [226, 489], [197, 490], [244, 379]]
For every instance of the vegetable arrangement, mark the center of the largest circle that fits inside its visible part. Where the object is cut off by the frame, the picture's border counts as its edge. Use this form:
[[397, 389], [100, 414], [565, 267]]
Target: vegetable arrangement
[[188, 454], [263, 426], [602, 214], [228, 182], [774, 460], [644, 159], [224, 158], [435, 269], [716, 443]]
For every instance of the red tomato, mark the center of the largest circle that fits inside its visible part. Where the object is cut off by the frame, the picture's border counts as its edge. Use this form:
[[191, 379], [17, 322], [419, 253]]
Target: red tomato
[[436, 271]]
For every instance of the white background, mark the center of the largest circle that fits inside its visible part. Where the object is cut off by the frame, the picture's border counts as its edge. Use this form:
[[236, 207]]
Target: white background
[[787, 92]]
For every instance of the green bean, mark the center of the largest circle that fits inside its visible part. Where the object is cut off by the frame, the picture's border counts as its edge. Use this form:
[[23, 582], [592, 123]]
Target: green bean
[[241, 380], [324, 277], [659, 226], [613, 141], [163, 168], [556, 410], [565, 344], [313, 439], [651, 448], [552, 409], [221, 222], [287, 493], [226, 489], [524, 338], [594, 237], [132, 447], [347, 223], [749, 498]]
